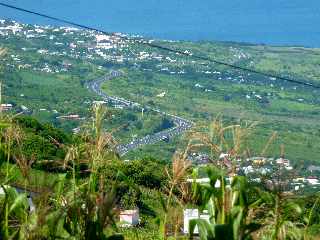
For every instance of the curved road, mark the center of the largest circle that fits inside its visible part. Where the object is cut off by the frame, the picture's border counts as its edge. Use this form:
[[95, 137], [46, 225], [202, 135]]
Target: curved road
[[181, 124]]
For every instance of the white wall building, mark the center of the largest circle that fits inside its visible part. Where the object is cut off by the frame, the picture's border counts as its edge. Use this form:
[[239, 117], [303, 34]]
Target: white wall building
[[192, 214], [129, 218], [313, 180]]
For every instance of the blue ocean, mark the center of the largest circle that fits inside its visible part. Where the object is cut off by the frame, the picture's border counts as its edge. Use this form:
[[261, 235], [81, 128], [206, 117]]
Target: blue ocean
[[274, 22]]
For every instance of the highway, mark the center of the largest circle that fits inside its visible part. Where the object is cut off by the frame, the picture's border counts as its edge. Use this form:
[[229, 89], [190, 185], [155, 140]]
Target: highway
[[181, 124]]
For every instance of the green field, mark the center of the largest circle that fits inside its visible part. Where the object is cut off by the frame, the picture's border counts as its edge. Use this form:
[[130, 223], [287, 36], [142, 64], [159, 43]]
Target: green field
[[194, 89], [291, 110]]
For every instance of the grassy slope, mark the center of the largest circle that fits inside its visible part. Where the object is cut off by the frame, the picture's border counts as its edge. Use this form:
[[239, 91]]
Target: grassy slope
[[295, 120]]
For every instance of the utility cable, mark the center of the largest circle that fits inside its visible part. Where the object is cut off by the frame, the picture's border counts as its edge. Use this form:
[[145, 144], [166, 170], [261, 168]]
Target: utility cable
[[164, 48]]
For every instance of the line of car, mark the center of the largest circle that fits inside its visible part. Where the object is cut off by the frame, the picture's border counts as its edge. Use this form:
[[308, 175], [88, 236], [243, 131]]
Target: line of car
[[181, 124]]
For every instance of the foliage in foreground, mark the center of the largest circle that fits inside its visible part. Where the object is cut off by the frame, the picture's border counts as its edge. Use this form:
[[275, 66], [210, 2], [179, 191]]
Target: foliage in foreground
[[94, 184]]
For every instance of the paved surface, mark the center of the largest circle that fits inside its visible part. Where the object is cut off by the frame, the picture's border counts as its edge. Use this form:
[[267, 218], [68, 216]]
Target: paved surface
[[181, 124]]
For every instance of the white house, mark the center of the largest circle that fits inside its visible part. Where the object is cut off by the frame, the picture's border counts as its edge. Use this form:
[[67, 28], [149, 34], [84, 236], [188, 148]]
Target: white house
[[248, 169], [161, 94], [283, 162], [191, 214], [313, 180], [129, 218], [6, 106], [206, 181]]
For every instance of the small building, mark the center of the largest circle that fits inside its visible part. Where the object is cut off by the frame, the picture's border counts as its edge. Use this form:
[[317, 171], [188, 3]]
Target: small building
[[314, 168], [189, 214], [257, 180], [283, 162], [248, 169], [76, 130], [198, 158], [70, 117], [299, 179], [199, 180], [297, 186], [99, 102], [313, 180], [129, 218], [161, 95], [118, 106], [224, 156], [193, 214], [206, 181], [30, 203], [260, 161], [6, 106]]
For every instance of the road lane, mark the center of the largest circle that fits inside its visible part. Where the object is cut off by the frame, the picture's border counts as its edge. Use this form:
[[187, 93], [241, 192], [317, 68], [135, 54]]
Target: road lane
[[181, 124]]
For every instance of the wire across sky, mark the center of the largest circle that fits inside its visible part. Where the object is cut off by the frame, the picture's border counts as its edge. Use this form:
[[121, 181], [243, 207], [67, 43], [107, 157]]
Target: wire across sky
[[184, 52]]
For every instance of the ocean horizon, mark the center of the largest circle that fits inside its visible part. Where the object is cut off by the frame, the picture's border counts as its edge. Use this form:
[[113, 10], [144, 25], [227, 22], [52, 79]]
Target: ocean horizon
[[287, 23]]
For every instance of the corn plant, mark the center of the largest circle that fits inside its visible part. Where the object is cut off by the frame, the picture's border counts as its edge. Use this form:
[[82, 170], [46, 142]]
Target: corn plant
[[311, 218], [179, 171], [89, 206], [278, 224], [217, 139], [76, 208], [229, 208]]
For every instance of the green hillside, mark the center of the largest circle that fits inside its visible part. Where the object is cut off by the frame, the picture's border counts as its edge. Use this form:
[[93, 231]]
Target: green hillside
[[46, 70]]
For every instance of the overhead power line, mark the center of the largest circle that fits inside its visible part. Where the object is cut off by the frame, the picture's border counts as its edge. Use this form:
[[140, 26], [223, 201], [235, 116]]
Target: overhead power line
[[164, 48]]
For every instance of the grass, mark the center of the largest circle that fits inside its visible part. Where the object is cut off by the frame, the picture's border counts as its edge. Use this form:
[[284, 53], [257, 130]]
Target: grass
[[295, 120]]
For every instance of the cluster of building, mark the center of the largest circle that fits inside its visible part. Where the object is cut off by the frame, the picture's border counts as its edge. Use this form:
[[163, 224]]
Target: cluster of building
[[75, 44], [72, 43], [255, 165], [293, 179], [257, 168]]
